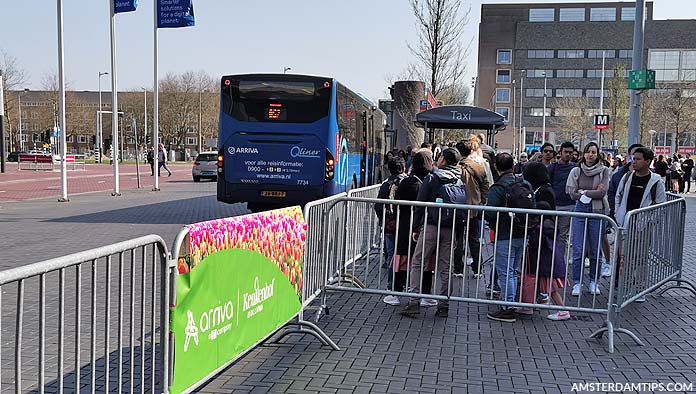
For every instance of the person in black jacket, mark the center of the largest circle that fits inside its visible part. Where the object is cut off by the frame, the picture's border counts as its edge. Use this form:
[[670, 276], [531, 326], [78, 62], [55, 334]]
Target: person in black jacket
[[404, 246], [536, 174], [397, 166]]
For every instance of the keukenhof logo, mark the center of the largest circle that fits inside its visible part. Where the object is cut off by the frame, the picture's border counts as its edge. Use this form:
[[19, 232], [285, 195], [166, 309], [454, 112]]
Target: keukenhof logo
[[253, 302]]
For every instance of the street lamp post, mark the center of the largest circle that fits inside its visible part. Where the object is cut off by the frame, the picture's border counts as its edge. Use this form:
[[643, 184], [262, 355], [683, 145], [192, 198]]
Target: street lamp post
[[21, 143], [543, 120], [522, 136], [145, 120], [200, 120], [99, 117], [652, 138]]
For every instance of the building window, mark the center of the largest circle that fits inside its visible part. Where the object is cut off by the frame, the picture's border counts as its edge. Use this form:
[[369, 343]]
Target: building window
[[572, 15], [535, 92], [504, 56], [625, 53], [569, 73], [541, 14], [596, 93], [665, 64], [502, 76], [539, 73], [597, 53], [628, 14], [539, 112], [602, 14], [69, 138], [502, 95], [540, 54], [598, 73], [35, 138], [688, 66], [568, 92], [82, 139], [190, 141], [505, 111], [571, 53]]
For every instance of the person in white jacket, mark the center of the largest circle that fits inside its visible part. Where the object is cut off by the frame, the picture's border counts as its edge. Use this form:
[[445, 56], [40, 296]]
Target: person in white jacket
[[640, 187]]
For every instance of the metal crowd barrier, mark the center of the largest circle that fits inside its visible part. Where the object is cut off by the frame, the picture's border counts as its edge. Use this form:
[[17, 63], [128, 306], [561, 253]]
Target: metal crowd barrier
[[363, 238], [531, 288], [81, 305]]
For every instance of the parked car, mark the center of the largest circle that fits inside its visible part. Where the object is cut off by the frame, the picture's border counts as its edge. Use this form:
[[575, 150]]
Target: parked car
[[14, 156], [205, 166]]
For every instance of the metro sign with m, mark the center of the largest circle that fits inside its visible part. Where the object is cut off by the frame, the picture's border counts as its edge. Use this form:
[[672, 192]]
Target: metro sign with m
[[601, 122]]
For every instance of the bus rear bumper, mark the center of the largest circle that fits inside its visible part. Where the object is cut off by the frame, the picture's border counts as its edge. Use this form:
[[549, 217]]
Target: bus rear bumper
[[276, 195]]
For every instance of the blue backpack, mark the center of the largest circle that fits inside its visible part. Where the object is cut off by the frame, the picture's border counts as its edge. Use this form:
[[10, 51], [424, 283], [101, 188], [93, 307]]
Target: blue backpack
[[452, 193]]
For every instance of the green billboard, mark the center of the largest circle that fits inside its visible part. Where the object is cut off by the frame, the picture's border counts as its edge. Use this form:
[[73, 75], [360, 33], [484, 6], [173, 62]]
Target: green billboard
[[241, 281]]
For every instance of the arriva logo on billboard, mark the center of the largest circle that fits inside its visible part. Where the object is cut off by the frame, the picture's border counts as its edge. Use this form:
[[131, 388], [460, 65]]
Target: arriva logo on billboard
[[253, 302], [220, 316], [296, 151], [232, 150]]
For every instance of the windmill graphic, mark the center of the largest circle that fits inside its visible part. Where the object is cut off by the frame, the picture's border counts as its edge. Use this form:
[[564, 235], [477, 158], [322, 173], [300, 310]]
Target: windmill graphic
[[191, 331]]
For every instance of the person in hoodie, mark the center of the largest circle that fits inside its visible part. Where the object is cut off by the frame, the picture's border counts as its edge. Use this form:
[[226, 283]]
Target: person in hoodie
[[429, 237], [535, 173]]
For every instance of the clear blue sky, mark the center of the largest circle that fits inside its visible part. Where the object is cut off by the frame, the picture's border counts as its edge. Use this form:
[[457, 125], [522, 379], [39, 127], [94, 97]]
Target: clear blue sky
[[359, 42]]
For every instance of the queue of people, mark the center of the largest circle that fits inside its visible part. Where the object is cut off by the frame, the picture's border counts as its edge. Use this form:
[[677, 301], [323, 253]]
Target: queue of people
[[430, 245]]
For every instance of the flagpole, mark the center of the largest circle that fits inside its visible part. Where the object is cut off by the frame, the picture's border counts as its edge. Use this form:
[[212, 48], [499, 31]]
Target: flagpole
[[61, 107], [114, 103], [155, 108]]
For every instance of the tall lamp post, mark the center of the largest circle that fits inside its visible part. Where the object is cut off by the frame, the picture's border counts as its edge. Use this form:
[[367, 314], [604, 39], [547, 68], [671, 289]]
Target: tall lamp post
[[523, 137], [200, 119], [21, 142], [145, 120], [99, 116], [652, 138], [543, 120]]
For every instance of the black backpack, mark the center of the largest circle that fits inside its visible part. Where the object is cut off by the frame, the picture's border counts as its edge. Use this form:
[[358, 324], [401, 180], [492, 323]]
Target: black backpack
[[390, 209], [453, 193], [519, 194]]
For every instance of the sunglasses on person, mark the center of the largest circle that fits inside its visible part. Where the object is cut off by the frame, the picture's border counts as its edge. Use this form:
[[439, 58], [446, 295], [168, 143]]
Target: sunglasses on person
[[548, 150]]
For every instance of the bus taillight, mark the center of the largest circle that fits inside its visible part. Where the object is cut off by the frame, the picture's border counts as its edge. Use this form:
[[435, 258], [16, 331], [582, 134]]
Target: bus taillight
[[329, 172], [220, 159]]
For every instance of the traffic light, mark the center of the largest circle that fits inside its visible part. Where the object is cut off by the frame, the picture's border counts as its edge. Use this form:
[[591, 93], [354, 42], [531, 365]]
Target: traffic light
[[148, 139], [94, 140]]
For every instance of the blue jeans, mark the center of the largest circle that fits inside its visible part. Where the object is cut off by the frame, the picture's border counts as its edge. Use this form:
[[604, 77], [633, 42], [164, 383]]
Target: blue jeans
[[389, 251], [588, 239], [507, 275]]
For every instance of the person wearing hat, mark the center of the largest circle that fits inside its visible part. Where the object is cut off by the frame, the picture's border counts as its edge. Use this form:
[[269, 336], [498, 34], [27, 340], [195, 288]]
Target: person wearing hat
[[518, 166]]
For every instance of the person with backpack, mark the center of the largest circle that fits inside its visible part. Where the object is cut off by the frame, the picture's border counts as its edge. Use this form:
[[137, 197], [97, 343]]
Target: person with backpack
[[476, 183], [151, 160], [558, 175], [421, 167], [587, 184], [387, 191], [432, 229], [510, 191]]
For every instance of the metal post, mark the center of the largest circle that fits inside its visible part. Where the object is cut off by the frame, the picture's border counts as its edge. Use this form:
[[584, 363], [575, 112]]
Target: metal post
[[135, 139], [200, 121], [543, 120], [114, 104], [601, 102], [637, 64], [523, 137], [155, 106], [2, 125], [514, 99], [19, 132], [145, 122], [61, 98]]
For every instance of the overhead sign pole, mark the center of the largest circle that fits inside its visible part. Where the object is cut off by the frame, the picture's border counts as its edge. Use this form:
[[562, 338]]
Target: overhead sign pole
[[171, 14], [637, 64], [114, 102], [61, 106]]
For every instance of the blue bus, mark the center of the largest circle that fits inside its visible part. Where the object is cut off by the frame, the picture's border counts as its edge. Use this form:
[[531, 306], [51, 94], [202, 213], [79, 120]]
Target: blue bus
[[290, 139]]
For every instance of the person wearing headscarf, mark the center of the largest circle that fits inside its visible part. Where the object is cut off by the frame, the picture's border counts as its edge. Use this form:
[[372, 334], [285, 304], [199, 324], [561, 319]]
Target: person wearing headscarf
[[535, 173]]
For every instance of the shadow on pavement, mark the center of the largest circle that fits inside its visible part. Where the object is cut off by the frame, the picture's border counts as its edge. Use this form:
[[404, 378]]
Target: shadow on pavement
[[185, 211]]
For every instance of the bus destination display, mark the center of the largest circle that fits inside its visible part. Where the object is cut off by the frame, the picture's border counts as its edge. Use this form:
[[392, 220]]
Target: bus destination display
[[276, 112]]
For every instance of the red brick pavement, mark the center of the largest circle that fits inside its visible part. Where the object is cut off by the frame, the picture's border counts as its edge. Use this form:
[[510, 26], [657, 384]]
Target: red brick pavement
[[16, 185]]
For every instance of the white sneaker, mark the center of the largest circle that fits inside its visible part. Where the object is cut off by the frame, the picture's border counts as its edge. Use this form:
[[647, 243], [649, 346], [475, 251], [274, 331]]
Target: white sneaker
[[576, 289], [391, 300], [594, 289], [558, 316], [587, 262], [640, 299], [469, 261], [428, 302], [606, 270]]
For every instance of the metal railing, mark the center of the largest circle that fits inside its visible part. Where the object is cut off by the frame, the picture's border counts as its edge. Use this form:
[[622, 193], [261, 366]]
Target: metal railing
[[81, 305]]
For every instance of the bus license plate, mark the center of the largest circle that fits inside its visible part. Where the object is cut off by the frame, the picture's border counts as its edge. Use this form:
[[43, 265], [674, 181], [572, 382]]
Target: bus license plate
[[273, 193]]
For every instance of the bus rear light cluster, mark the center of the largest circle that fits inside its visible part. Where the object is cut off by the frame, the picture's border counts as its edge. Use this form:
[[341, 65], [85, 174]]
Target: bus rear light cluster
[[220, 159], [330, 164]]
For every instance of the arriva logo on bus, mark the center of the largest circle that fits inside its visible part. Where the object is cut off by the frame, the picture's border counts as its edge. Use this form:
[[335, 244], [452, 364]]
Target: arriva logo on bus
[[232, 150], [296, 151]]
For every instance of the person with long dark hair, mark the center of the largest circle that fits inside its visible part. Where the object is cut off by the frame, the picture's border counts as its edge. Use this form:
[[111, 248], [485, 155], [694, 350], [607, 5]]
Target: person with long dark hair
[[588, 184]]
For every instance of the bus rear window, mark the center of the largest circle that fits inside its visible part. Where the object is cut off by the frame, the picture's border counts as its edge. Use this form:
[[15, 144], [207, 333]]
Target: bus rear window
[[276, 101]]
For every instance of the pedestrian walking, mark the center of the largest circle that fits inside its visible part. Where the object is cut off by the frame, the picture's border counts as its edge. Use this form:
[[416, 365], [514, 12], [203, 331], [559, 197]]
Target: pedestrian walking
[[688, 168], [162, 160], [151, 160], [587, 184]]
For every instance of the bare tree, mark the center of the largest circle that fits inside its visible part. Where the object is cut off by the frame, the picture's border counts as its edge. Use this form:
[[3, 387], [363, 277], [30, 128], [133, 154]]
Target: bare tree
[[572, 118], [441, 49], [618, 102], [13, 78]]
